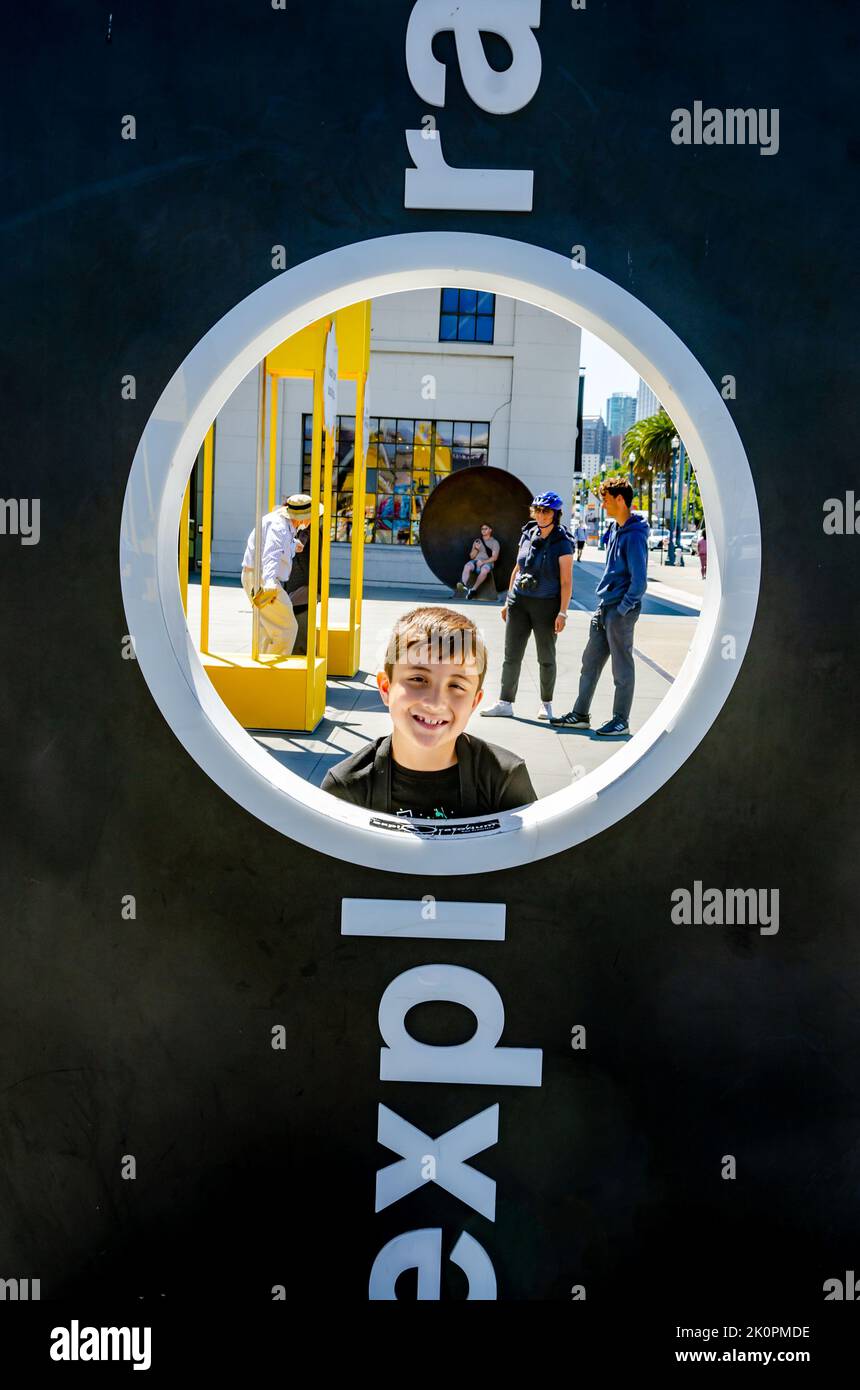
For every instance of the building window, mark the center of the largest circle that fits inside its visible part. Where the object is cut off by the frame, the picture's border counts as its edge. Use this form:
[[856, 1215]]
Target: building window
[[467, 316], [405, 461]]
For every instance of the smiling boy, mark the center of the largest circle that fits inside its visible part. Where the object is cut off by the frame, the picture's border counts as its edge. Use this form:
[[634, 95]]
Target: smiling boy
[[428, 767]]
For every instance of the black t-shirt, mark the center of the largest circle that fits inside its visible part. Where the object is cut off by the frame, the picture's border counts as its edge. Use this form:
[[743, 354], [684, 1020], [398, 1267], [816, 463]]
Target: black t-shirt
[[425, 795], [492, 779]]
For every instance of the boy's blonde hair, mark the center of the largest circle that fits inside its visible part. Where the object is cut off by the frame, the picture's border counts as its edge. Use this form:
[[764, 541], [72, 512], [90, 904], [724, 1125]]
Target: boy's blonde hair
[[451, 637]]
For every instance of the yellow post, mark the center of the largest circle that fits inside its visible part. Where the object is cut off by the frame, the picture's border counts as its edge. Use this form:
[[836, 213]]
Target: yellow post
[[314, 565], [273, 439], [183, 545], [359, 488], [206, 546]]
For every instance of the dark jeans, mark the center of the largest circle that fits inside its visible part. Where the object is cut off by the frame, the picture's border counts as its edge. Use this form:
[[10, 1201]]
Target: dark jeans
[[610, 636], [527, 616], [301, 643]]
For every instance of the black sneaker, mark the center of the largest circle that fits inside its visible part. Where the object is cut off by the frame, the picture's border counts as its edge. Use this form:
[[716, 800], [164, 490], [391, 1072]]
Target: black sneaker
[[613, 728], [573, 720]]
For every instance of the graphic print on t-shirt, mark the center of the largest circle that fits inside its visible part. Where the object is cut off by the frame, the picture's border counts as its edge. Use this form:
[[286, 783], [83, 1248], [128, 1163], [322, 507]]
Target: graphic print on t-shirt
[[425, 795]]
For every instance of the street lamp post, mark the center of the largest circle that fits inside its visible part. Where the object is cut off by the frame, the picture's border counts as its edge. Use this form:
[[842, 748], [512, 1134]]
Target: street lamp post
[[676, 444], [682, 477], [601, 515], [577, 507]]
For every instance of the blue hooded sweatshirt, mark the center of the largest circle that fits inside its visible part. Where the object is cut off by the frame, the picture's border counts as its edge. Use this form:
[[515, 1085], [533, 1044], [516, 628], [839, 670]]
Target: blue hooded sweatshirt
[[625, 577]]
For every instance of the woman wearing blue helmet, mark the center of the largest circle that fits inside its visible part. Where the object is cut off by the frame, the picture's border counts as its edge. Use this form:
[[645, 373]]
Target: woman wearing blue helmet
[[538, 598]]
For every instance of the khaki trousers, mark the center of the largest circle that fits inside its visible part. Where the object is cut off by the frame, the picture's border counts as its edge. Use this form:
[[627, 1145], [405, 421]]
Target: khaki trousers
[[278, 626]]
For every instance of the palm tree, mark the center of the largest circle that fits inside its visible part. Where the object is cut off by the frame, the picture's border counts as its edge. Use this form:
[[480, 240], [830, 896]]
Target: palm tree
[[651, 441], [641, 468], [696, 512]]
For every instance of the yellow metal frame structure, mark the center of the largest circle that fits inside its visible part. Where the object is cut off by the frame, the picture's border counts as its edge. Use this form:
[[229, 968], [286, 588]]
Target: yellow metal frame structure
[[353, 326], [271, 692], [339, 642]]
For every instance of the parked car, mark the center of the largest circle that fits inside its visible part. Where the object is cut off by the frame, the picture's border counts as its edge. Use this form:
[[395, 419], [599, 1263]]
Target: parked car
[[659, 536], [689, 540]]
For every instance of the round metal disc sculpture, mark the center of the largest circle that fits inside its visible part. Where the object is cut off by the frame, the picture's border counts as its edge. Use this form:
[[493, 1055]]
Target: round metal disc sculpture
[[454, 513]]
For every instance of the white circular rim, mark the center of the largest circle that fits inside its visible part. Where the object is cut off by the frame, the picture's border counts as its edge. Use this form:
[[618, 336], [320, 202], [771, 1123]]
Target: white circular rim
[[207, 378]]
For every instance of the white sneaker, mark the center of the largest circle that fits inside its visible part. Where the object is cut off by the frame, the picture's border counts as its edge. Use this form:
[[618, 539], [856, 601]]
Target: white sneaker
[[545, 711], [502, 709]]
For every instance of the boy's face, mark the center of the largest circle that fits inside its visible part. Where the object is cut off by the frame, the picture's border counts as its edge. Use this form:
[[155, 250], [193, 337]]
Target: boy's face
[[613, 506], [429, 701]]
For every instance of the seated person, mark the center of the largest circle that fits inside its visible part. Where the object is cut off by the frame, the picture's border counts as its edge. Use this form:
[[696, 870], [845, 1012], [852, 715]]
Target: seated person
[[482, 558], [428, 767]]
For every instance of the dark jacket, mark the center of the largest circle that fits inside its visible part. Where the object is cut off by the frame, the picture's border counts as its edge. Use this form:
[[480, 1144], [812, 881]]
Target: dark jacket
[[297, 583], [625, 577], [491, 779], [539, 557]]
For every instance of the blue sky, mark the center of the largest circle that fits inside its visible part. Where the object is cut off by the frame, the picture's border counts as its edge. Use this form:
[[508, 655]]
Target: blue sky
[[605, 372]]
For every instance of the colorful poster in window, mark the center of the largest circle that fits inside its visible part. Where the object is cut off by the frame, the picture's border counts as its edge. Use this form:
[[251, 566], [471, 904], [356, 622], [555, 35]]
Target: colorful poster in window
[[405, 460]]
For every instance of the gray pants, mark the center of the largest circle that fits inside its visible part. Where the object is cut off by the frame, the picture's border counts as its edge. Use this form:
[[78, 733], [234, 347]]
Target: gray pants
[[527, 616], [610, 636]]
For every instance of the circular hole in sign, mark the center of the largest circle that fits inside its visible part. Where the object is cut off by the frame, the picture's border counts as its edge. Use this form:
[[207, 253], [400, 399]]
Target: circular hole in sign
[[207, 378]]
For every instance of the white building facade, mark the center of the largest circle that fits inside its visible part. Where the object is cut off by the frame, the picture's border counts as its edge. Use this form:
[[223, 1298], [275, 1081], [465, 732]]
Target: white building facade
[[457, 379], [647, 403]]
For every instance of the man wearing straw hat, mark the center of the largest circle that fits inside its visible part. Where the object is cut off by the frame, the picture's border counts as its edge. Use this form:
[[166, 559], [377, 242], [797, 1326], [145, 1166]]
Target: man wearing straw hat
[[279, 542]]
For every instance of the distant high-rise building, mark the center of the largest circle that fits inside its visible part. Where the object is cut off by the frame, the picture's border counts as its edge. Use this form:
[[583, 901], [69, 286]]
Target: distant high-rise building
[[593, 435], [620, 416], [646, 402], [595, 444]]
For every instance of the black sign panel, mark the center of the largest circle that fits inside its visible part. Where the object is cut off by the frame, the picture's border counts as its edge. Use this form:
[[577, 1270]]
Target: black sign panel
[[178, 988]]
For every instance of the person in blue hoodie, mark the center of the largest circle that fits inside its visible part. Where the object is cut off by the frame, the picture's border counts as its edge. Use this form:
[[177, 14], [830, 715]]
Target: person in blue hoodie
[[620, 592]]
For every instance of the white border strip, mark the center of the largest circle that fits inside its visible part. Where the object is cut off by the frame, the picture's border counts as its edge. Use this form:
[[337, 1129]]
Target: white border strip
[[427, 918]]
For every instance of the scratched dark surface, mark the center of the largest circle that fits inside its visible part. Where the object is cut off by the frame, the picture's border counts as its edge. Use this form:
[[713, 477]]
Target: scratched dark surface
[[151, 1037]]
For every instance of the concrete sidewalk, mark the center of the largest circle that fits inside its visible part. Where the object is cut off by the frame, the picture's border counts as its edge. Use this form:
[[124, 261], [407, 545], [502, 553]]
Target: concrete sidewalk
[[670, 591], [671, 583], [355, 714]]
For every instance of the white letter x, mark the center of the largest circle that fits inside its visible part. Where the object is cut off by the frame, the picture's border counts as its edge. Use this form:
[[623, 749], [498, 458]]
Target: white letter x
[[450, 1152]]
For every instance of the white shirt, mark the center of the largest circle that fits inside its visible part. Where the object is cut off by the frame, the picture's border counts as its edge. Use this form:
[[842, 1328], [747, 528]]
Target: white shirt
[[279, 546]]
